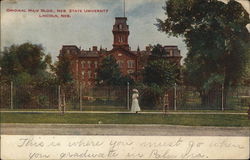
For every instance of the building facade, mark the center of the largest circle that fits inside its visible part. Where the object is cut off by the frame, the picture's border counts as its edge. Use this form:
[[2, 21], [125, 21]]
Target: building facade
[[85, 62]]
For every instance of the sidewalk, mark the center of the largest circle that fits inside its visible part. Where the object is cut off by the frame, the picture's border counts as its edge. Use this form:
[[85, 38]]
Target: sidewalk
[[120, 129]]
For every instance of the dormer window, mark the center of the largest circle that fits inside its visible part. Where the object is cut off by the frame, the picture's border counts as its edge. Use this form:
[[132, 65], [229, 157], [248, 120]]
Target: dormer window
[[171, 52]]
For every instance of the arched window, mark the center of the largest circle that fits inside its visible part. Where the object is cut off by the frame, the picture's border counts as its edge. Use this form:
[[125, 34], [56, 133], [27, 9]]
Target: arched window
[[83, 63], [89, 74], [120, 63], [120, 38], [89, 64], [83, 74], [120, 26], [95, 64], [131, 63]]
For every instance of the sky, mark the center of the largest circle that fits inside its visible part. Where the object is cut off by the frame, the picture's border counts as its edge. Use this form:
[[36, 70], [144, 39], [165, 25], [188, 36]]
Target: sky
[[85, 29]]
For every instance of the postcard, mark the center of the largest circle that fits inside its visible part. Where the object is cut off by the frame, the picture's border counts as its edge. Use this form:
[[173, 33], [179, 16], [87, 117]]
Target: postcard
[[125, 79]]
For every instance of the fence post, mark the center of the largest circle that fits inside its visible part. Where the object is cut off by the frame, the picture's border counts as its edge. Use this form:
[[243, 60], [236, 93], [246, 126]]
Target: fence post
[[64, 102], [175, 97], [80, 96], [128, 95], [11, 95], [59, 97], [222, 97]]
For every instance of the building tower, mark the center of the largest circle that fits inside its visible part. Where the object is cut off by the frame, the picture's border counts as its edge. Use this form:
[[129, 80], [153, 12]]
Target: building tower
[[120, 33]]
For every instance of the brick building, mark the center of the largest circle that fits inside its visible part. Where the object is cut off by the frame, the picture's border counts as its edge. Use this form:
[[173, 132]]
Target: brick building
[[85, 62]]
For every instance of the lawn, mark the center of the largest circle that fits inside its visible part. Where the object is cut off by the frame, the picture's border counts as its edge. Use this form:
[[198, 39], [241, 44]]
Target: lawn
[[127, 118]]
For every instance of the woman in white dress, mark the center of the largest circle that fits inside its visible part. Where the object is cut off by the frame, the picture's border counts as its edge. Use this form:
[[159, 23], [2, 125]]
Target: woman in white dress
[[135, 104]]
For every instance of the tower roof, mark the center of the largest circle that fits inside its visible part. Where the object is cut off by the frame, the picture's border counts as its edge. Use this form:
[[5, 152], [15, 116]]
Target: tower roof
[[120, 24], [120, 32]]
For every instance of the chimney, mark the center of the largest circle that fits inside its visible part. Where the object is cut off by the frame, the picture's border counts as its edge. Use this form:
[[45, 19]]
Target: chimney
[[94, 48]]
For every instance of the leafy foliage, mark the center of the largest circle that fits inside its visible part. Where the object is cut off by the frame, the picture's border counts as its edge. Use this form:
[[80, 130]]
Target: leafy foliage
[[158, 51], [63, 70], [109, 73], [217, 40], [27, 66], [159, 75], [160, 72], [151, 95], [24, 63]]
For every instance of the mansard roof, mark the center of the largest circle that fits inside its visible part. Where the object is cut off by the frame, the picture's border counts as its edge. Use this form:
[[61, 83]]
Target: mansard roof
[[89, 54], [131, 53]]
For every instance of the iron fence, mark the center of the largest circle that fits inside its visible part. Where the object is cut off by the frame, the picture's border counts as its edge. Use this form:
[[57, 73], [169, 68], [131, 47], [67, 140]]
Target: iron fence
[[118, 98]]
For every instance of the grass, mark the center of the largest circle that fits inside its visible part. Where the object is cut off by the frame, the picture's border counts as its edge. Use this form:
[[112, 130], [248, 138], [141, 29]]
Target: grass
[[112, 118]]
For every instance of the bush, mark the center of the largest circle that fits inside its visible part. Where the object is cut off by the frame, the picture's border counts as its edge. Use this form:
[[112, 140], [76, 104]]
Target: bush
[[150, 96]]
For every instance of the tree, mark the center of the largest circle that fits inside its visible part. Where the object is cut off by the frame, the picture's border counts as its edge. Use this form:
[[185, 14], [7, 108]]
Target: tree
[[158, 51], [27, 66], [160, 72], [159, 75], [63, 70], [216, 36], [23, 61], [109, 73]]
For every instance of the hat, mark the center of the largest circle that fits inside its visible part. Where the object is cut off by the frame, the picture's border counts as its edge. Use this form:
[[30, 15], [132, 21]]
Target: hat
[[135, 90]]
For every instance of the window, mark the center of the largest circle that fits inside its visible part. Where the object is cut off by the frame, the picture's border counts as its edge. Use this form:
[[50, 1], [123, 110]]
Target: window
[[83, 63], [131, 63], [171, 52], [89, 74], [95, 64], [83, 74], [95, 75], [68, 51], [120, 39], [120, 26], [120, 63], [89, 64]]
